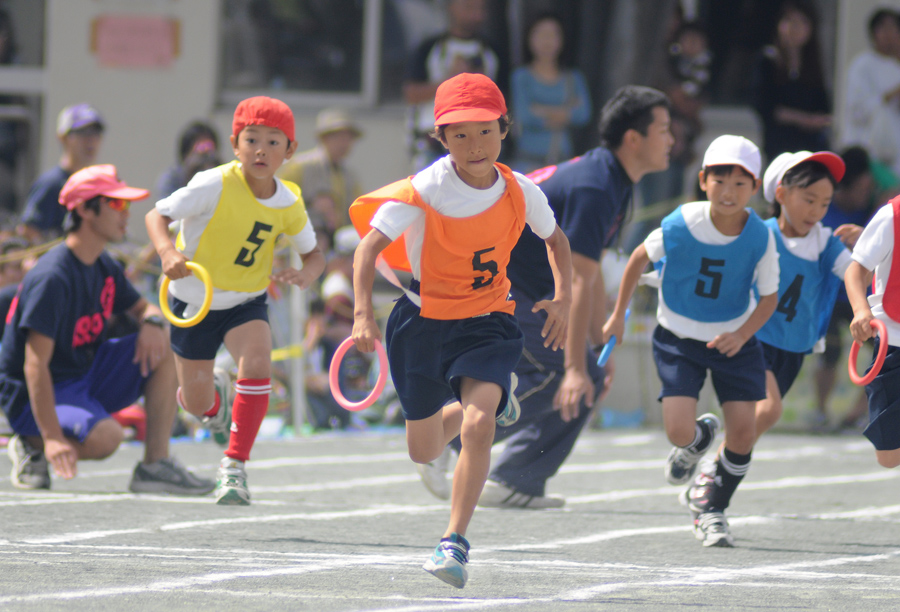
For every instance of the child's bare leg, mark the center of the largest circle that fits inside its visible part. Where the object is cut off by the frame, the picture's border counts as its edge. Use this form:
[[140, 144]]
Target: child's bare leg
[[197, 387], [888, 458], [481, 400], [679, 419], [769, 410], [427, 438], [740, 426]]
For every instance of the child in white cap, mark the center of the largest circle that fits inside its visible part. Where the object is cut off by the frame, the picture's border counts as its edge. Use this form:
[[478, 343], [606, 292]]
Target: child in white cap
[[709, 253]]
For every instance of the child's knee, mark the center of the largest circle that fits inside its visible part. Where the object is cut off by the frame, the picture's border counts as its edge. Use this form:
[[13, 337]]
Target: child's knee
[[888, 459], [478, 428], [681, 434]]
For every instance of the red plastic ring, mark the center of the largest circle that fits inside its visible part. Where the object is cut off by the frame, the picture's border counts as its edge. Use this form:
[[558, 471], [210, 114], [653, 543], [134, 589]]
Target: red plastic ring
[[333, 382], [879, 358]]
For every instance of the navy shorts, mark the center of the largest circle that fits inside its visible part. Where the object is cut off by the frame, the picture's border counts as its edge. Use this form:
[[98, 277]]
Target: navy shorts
[[112, 383], [785, 365], [884, 402], [682, 364], [202, 341], [429, 357]]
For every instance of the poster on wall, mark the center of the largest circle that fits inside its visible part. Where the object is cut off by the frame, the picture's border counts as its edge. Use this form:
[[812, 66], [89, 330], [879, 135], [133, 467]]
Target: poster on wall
[[133, 41]]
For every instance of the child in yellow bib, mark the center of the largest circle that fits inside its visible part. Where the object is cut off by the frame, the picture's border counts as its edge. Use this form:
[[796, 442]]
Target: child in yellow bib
[[230, 218]]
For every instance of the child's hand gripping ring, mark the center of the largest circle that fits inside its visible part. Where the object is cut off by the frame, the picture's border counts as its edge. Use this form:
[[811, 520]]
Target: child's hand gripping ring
[[335, 384], [203, 275], [879, 358]]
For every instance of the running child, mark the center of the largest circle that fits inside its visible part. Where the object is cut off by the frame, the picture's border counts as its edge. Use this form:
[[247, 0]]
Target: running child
[[710, 254], [812, 261], [875, 252], [452, 340], [230, 218]]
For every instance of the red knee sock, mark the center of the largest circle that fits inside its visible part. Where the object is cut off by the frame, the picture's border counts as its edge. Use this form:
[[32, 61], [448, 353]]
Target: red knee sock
[[250, 405]]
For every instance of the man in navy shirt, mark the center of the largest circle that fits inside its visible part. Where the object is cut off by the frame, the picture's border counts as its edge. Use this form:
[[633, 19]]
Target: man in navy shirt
[[80, 130], [60, 378], [590, 196]]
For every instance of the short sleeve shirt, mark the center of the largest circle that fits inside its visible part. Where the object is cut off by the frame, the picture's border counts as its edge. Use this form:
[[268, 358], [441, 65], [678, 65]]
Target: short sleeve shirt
[[42, 207], [590, 196], [70, 302]]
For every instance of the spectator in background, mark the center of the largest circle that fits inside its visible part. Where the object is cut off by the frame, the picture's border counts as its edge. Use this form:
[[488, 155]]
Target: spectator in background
[[866, 185], [548, 98], [11, 274], [685, 79], [789, 85], [328, 185], [460, 49], [198, 149], [79, 129], [872, 98], [330, 322]]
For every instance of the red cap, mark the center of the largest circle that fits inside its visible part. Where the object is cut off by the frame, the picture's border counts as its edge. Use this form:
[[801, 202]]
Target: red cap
[[263, 111], [468, 97], [95, 181]]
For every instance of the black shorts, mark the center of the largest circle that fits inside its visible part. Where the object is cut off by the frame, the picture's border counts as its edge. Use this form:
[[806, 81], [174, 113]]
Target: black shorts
[[682, 364], [785, 365], [884, 402], [429, 357], [202, 341]]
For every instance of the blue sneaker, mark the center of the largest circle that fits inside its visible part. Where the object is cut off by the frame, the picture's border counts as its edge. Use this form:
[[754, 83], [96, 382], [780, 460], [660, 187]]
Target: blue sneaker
[[511, 411], [449, 561]]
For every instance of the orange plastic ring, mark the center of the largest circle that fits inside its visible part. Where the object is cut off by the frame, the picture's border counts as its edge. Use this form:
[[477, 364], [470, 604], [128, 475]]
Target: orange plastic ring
[[879, 358], [335, 384]]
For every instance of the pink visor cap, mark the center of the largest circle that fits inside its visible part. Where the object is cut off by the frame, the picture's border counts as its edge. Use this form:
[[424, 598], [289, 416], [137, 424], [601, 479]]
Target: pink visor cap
[[93, 181]]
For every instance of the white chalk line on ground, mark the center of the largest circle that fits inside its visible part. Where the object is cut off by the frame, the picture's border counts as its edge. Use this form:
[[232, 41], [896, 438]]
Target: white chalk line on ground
[[378, 481], [697, 576]]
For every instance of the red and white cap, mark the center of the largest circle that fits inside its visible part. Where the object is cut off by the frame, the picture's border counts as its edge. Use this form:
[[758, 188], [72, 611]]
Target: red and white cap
[[468, 97], [93, 181], [784, 162], [730, 150]]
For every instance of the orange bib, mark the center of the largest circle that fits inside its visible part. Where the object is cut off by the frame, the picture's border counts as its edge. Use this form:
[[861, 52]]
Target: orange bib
[[463, 267]]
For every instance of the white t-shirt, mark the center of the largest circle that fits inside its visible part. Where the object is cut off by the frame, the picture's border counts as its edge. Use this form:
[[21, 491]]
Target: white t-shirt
[[699, 223], [441, 188], [874, 251], [195, 204]]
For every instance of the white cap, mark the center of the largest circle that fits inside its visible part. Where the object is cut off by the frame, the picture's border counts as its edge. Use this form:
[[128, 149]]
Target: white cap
[[346, 239], [729, 150], [784, 162]]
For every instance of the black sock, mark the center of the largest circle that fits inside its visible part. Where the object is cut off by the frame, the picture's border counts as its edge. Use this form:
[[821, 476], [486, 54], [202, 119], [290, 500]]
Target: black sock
[[730, 470], [702, 436]]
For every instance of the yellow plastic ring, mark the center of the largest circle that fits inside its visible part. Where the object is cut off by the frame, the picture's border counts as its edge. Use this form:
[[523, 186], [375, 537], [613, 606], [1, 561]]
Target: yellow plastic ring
[[203, 275]]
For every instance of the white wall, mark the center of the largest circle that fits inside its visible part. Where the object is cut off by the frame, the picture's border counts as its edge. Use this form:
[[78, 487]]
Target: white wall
[[145, 109]]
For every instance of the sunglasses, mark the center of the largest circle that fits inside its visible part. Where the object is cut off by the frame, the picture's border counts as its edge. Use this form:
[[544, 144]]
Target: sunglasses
[[118, 204]]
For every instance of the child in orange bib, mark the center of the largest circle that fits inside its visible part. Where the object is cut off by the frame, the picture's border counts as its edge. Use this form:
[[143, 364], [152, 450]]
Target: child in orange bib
[[453, 347]]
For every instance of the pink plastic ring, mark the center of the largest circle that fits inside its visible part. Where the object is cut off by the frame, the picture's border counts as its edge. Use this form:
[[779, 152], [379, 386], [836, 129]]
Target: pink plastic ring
[[879, 358], [335, 384]]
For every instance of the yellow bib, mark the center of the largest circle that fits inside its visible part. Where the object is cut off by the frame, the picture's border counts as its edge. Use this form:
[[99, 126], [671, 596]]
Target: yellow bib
[[238, 243]]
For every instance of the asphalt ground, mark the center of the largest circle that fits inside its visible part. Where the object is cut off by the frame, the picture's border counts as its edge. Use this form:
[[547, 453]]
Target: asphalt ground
[[341, 523]]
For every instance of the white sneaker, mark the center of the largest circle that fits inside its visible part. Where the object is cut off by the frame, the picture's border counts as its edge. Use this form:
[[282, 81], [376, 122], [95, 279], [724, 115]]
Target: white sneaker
[[434, 474], [496, 495], [231, 483]]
